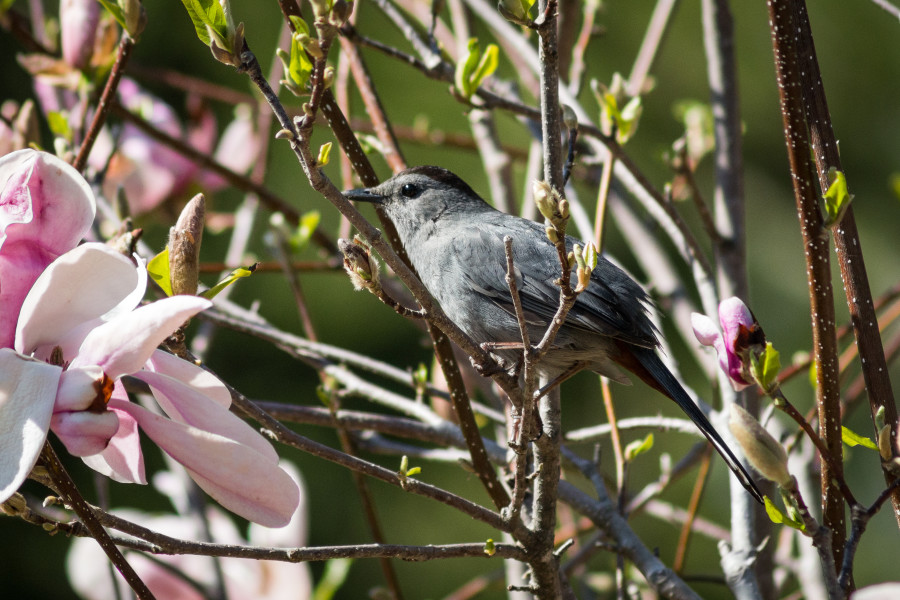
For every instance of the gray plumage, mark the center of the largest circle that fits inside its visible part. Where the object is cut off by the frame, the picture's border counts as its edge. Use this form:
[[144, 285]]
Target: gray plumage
[[455, 242]]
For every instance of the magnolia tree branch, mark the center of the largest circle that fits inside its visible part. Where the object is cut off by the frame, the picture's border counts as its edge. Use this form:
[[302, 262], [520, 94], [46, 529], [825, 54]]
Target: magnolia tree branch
[[848, 247], [788, 69]]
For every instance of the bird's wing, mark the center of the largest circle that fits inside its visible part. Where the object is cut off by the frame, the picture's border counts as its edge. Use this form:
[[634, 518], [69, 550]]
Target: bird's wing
[[613, 305]]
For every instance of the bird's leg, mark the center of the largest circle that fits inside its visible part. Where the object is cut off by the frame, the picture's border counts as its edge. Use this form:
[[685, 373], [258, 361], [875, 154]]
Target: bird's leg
[[578, 366]]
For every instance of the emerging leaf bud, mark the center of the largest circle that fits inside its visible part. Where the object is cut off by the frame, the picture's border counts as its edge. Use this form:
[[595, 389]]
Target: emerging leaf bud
[[360, 264], [184, 247], [763, 451]]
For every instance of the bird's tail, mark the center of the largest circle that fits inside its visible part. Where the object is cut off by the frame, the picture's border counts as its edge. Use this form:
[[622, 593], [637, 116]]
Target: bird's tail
[[651, 369]]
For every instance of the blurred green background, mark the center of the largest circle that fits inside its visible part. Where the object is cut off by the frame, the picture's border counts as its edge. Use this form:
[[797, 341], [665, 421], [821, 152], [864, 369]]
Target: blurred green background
[[857, 45]]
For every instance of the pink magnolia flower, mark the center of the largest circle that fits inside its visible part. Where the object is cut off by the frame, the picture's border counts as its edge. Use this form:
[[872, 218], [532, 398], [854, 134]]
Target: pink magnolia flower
[[81, 313], [90, 575], [46, 207], [740, 333], [151, 172]]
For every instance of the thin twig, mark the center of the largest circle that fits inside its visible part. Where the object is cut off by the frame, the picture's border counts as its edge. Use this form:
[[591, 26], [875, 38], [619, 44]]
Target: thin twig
[[66, 487], [107, 100]]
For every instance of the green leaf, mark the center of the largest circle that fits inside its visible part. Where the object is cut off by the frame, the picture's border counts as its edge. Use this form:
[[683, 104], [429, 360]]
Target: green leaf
[[628, 119], [299, 67], [837, 197], [776, 516], [209, 21], [238, 273], [158, 269], [414, 471], [471, 71], [465, 67], [299, 24], [115, 11], [765, 366], [308, 224], [59, 125], [486, 66], [851, 438], [638, 447], [324, 154], [489, 548], [333, 577]]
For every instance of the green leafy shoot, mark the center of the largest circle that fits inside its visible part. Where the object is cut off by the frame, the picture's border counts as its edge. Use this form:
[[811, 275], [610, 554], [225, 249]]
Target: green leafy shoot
[[116, 12], [238, 273], [837, 197], [638, 447], [851, 438], [517, 11], [489, 548], [308, 223], [765, 367], [622, 121], [297, 66], [405, 470], [158, 269], [209, 21], [476, 67], [333, 577], [324, 154], [776, 516]]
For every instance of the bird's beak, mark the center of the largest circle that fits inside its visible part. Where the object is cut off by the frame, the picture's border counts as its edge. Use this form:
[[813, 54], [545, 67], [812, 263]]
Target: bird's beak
[[364, 195]]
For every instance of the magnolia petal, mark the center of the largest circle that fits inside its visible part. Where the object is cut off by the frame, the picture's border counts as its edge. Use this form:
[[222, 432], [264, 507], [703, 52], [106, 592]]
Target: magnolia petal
[[49, 202], [733, 314], [187, 405], [238, 477], [27, 392], [78, 389], [122, 345], [84, 433], [296, 533], [122, 460], [198, 378], [705, 329], [79, 286], [21, 263]]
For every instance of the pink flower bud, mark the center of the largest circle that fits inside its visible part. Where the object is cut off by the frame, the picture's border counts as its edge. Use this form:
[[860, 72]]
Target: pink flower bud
[[78, 21]]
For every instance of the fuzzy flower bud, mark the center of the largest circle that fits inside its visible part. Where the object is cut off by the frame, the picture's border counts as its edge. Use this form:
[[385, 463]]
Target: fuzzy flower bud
[[763, 451], [548, 201], [184, 247], [360, 264]]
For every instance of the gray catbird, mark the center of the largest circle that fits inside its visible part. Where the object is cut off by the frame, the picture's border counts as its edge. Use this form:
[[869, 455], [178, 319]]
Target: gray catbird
[[455, 242]]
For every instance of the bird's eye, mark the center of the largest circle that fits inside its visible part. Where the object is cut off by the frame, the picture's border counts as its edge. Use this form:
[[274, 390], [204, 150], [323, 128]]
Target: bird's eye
[[409, 190]]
